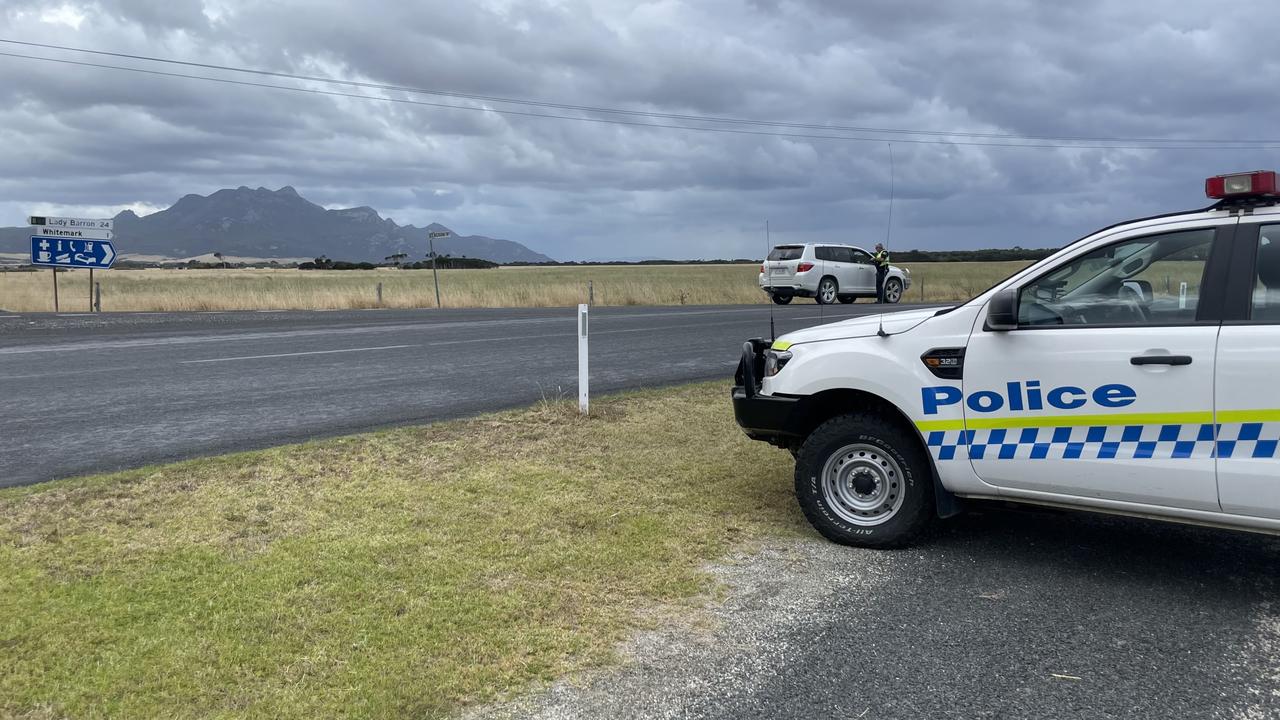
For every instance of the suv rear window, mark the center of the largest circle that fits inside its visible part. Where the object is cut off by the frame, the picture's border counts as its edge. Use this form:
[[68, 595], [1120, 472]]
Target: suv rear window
[[787, 252]]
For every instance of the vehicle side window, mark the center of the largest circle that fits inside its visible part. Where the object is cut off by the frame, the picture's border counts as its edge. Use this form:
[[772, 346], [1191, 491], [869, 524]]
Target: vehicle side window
[[822, 253], [1266, 288], [842, 254], [860, 256], [1152, 280]]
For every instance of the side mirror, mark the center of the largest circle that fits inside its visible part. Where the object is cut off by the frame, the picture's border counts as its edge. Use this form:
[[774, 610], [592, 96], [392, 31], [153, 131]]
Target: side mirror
[[1002, 311]]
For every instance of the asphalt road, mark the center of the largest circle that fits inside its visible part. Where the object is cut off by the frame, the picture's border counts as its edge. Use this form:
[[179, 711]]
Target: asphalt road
[[999, 614], [91, 393]]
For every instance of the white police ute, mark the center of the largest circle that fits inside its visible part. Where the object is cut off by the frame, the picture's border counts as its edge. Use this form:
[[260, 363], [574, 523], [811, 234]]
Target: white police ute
[[1134, 372]]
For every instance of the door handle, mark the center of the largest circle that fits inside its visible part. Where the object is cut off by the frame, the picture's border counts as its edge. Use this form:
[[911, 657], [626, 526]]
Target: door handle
[[1160, 360]]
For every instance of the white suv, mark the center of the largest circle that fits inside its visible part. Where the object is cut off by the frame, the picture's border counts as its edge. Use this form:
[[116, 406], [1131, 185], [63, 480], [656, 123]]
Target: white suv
[[827, 273]]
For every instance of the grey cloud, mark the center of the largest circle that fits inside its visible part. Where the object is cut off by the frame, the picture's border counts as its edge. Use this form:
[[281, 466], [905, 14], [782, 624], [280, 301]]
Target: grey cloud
[[80, 136]]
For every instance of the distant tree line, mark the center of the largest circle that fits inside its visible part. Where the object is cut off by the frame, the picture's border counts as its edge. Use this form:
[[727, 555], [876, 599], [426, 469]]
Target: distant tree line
[[987, 255], [443, 262]]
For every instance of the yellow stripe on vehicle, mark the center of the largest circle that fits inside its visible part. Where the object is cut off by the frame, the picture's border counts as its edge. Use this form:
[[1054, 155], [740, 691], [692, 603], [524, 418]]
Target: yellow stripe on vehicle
[[1241, 416]]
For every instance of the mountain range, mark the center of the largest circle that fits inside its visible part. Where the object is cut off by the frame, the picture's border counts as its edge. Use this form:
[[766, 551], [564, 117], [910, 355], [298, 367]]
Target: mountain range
[[280, 223]]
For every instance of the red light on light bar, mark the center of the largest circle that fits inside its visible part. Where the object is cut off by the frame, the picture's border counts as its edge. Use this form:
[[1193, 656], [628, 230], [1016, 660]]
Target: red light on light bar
[[1259, 182]]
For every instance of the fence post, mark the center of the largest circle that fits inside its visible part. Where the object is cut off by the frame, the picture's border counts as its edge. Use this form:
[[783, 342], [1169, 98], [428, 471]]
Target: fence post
[[921, 289], [583, 401], [97, 297], [379, 294], [591, 292]]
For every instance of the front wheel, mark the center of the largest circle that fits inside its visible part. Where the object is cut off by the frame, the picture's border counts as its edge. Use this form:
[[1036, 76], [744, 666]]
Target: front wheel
[[780, 299], [861, 480], [892, 290], [827, 290]]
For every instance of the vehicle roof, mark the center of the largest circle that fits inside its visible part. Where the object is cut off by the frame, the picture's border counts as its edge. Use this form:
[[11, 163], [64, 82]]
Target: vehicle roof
[[817, 244]]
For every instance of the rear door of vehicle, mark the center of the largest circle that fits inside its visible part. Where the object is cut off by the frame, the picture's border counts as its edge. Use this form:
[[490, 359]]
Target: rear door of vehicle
[[1098, 394], [1246, 391], [840, 266]]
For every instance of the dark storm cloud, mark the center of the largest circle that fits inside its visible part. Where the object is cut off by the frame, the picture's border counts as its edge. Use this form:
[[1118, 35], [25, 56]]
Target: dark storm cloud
[[74, 137]]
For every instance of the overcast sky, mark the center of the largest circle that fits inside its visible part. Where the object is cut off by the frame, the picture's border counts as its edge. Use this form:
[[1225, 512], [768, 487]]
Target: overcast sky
[[95, 141]]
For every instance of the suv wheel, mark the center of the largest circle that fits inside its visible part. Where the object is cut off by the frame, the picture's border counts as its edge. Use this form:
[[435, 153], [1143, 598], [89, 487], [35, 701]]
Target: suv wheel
[[827, 290], [892, 290], [863, 481]]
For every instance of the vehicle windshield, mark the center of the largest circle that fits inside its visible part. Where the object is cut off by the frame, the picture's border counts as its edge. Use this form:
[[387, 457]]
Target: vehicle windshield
[[787, 252]]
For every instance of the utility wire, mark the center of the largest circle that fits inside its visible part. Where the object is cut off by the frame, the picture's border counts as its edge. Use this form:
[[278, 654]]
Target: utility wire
[[607, 121], [635, 113]]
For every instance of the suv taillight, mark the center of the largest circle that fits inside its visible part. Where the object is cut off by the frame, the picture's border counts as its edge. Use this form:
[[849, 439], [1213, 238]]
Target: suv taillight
[[804, 267]]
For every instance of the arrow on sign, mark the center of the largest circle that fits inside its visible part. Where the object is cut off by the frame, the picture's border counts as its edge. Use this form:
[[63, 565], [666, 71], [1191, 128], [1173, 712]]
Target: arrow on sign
[[108, 255]]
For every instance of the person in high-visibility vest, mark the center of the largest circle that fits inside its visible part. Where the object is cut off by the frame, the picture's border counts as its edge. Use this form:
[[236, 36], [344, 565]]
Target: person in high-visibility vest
[[881, 259]]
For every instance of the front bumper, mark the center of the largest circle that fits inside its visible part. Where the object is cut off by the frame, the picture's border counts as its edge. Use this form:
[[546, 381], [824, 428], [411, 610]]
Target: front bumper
[[764, 417]]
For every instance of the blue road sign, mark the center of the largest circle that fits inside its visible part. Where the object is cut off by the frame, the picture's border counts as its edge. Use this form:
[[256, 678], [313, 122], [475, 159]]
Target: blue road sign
[[72, 253]]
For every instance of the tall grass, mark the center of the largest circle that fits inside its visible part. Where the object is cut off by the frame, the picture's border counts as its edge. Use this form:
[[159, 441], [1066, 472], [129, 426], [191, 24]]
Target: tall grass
[[254, 289]]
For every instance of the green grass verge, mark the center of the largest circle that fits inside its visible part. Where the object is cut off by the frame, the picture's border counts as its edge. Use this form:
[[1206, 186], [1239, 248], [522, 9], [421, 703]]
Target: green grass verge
[[403, 573]]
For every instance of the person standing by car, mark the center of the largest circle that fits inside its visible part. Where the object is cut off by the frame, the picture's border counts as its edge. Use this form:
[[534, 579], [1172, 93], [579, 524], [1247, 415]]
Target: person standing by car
[[881, 259]]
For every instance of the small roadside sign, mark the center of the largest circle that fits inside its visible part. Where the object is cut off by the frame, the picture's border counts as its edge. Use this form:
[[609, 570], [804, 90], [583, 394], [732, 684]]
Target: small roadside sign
[[436, 234], [69, 223], [72, 253], [81, 233]]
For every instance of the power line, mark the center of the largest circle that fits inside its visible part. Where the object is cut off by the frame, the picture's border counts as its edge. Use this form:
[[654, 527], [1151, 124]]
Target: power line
[[629, 123], [636, 113]]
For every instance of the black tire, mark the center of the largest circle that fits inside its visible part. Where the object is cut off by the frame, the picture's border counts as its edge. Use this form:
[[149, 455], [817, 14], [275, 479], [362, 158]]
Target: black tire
[[831, 290], [892, 290], [780, 299], [846, 299], [876, 449]]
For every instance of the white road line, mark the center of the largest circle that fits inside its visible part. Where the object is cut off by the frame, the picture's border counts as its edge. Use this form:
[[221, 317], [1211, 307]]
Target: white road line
[[295, 354]]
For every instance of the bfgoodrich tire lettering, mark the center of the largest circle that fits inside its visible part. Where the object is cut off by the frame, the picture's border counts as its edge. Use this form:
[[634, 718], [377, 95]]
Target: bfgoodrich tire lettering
[[861, 480]]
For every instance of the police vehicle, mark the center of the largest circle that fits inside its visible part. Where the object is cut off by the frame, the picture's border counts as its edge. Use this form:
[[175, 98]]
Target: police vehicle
[[1131, 372]]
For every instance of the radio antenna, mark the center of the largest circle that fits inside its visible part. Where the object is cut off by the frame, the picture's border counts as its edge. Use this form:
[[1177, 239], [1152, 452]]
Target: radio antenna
[[888, 226], [768, 247]]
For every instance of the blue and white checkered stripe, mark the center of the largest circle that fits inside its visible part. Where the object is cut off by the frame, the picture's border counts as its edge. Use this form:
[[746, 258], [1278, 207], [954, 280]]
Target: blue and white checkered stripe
[[1115, 442]]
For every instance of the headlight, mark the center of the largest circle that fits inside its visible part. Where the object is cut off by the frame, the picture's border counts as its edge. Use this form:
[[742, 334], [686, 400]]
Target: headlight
[[774, 361]]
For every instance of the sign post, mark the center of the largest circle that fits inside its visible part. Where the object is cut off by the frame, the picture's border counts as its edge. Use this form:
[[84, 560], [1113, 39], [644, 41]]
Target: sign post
[[59, 242], [583, 395], [431, 237]]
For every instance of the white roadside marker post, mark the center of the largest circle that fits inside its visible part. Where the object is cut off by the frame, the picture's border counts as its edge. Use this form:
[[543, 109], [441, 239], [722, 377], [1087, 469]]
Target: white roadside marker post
[[582, 359]]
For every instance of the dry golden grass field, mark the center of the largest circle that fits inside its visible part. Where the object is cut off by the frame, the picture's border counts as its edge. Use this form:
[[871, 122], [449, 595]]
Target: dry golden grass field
[[270, 289]]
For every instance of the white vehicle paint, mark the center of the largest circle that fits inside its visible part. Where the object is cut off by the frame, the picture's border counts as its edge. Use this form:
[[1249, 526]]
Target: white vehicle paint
[[1130, 372], [799, 271]]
